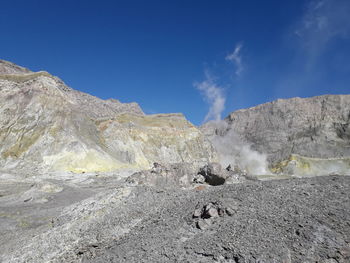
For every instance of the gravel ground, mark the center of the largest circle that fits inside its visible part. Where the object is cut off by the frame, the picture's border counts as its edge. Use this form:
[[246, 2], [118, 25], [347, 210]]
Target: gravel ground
[[293, 220]]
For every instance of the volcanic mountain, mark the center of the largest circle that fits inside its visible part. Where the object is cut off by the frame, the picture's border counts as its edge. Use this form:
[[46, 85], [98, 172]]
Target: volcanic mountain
[[89, 180], [47, 126]]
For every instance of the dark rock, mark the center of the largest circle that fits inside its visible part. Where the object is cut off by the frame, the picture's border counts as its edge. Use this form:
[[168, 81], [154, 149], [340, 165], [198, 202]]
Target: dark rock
[[213, 174]]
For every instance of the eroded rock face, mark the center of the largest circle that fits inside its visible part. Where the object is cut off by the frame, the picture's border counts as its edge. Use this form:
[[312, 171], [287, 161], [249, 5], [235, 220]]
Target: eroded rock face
[[312, 127], [47, 126]]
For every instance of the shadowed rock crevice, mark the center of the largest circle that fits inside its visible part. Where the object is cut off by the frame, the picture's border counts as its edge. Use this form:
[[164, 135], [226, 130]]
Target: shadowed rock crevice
[[213, 174]]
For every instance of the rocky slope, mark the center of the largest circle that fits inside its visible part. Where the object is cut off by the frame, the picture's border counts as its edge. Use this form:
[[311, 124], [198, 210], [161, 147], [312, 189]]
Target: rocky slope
[[317, 127], [47, 126]]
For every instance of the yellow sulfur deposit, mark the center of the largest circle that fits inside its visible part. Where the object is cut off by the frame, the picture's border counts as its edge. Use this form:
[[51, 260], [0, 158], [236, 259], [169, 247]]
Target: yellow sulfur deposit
[[307, 166]]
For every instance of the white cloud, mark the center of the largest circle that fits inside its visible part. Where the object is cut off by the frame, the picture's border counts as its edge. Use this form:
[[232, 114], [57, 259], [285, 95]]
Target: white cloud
[[236, 58], [214, 95]]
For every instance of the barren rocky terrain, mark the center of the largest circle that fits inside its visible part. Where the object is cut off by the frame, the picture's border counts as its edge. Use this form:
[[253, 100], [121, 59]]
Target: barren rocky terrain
[[94, 219], [90, 180]]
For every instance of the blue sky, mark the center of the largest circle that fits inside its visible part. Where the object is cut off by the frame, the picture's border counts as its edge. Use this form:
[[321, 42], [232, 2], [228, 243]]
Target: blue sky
[[202, 58]]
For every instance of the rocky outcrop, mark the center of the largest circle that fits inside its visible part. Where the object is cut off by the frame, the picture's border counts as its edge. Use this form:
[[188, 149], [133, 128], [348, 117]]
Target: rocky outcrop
[[317, 127], [47, 126], [186, 175]]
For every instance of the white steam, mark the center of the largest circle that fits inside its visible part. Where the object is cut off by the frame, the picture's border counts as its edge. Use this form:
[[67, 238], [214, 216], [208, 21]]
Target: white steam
[[214, 95], [233, 150], [236, 58]]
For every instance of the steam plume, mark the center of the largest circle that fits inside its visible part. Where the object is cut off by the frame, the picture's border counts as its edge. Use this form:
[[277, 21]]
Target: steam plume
[[233, 150], [214, 95], [236, 58]]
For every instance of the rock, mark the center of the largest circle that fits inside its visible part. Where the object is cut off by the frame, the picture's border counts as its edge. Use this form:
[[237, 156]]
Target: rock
[[229, 211], [165, 176], [197, 213], [28, 199], [207, 215], [46, 126], [236, 175], [212, 212], [157, 168], [7, 68], [101, 221], [203, 224], [199, 179], [317, 127], [213, 174], [153, 214]]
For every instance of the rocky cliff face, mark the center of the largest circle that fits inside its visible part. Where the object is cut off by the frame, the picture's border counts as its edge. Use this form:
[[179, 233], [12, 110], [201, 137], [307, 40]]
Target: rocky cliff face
[[45, 125], [317, 127]]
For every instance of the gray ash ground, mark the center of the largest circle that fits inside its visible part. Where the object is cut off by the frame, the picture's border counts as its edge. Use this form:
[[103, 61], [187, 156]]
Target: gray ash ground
[[293, 220], [298, 220]]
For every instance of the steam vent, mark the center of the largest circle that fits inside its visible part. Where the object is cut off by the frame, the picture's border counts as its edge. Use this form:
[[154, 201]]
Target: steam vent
[[84, 179]]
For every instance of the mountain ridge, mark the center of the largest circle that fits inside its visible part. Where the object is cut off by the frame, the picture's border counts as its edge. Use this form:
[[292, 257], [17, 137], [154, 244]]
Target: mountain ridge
[[315, 127], [47, 125]]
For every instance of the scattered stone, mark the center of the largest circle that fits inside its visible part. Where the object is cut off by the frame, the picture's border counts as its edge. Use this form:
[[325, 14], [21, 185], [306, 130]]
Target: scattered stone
[[229, 211], [28, 199], [197, 213], [203, 224], [211, 211], [157, 168], [208, 214], [253, 222], [200, 188], [148, 219]]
